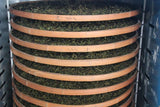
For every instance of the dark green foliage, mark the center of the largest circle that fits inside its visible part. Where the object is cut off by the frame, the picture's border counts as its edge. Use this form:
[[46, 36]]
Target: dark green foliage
[[75, 26], [95, 70], [69, 100], [70, 41], [74, 56], [72, 85], [70, 7]]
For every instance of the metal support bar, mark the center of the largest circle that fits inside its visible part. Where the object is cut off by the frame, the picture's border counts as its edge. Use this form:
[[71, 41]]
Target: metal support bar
[[9, 27], [140, 51]]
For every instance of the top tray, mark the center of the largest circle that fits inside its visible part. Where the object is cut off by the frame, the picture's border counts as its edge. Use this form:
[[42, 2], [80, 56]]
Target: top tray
[[70, 18]]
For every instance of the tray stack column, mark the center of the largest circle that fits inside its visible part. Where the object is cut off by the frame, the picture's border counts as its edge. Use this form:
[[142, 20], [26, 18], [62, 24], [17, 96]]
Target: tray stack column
[[28, 54]]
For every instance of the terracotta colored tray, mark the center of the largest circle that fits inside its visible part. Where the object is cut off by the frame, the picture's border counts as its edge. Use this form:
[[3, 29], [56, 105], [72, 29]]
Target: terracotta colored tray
[[126, 104], [48, 104], [85, 34], [75, 63], [60, 91], [71, 18], [65, 48], [123, 105], [67, 77], [17, 102]]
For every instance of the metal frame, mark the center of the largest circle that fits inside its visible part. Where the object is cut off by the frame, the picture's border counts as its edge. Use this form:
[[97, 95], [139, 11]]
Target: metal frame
[[5, 69]]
